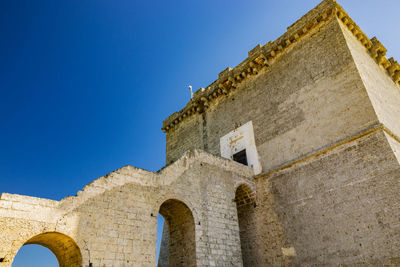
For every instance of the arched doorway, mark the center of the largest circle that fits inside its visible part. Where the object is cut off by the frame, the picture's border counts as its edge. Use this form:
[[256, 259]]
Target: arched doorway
[[64, 248], [245, 203], [178, 246]]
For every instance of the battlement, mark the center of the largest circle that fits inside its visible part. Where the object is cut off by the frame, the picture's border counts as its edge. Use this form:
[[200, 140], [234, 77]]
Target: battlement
[[262, 57]]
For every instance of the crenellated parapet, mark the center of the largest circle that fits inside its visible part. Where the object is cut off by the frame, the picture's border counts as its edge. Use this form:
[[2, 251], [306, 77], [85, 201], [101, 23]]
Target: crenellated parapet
[[262, 57]]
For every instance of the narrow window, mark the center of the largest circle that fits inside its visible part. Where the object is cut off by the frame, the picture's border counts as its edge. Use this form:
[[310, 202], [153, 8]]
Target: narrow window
[[240, 157]]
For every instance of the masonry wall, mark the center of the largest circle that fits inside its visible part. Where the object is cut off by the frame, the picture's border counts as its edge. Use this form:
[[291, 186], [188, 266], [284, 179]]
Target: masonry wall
[[338, 209], [382, 90], [326, 127], [113, 220], [247, 218], [325, 118], [185, 138], [311, 96]]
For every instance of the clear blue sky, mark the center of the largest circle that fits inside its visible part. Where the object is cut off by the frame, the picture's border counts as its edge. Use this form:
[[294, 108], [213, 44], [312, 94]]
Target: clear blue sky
[[85, 84]]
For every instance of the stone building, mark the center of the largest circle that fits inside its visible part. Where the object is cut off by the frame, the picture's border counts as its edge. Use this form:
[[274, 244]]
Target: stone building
[[292, 158]]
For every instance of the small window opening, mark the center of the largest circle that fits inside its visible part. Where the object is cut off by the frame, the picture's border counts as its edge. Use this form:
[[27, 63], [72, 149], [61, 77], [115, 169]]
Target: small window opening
[[240, 157]]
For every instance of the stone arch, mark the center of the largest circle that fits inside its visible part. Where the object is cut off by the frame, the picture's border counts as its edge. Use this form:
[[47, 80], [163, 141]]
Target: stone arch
[[247, 184], [64, 248], [244, 195], [245, 199], [179, 245], [182, 199]]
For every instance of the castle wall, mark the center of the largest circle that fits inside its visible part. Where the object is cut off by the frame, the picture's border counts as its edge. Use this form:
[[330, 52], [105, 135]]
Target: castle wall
[[247, 218], [325, 120], [383, 92], [113, 220], [339, 205], [311, 96], [185, 138], [339, 208], [394, 142]]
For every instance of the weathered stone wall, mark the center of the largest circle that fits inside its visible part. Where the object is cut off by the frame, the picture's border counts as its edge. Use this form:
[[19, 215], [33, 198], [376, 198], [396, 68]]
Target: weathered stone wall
[[29, 220], [340, 208], [185, 138], [326, 123], [246, 203], [326, 126], [382, 91], [310, 96], [113, 221]]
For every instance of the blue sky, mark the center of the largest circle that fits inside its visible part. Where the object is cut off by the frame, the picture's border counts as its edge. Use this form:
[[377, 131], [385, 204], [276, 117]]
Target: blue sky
[[85, 85]]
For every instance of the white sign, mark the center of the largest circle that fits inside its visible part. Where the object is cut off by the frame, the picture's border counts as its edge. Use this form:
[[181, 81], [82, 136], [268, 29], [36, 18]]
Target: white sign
[[238, 140]]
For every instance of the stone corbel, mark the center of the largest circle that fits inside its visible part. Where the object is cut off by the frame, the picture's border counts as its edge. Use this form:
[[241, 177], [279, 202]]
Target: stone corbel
[[381, 58], [346, 20], [394, 66], [340, 14], [378, 51], [385, 63], [224, 73], [261, 60], [396, 76], [223, 88], [232, 82], [238, 78], [204, 101], [256, 50]]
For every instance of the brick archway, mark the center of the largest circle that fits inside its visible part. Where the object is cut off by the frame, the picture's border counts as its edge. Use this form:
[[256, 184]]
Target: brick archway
[[181, 244], [64, 248]]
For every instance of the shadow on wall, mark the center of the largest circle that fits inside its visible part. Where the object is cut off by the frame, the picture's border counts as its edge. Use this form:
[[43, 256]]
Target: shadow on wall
[[245, 200], [178, 247]]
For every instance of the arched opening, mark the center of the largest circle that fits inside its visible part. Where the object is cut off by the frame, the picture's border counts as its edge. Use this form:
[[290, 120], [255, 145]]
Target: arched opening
[[64, 248], [34, 256], [245, 203], [178, 247]]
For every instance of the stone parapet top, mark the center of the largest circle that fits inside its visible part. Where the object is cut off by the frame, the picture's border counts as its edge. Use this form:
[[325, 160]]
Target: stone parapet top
[[29, 200], [130, 174], [199, 156], [262, 57], [165, 176]]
